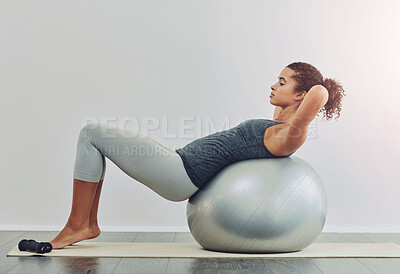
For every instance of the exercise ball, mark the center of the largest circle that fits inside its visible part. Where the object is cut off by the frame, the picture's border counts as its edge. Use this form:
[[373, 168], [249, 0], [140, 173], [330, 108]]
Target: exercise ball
[[270, 205]]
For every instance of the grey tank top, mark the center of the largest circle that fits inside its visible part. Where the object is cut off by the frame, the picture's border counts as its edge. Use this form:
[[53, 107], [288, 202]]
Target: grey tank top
[[203, 158]]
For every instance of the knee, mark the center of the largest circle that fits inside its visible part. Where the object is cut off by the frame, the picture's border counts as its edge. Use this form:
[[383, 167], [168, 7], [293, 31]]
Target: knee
[[91, 129]]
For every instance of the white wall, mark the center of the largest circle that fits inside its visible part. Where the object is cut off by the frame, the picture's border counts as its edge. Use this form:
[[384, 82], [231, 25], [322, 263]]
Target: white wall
[[62, 62]]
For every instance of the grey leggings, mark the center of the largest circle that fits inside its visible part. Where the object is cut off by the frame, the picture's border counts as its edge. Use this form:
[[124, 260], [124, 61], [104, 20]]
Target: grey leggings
[[139, 156]]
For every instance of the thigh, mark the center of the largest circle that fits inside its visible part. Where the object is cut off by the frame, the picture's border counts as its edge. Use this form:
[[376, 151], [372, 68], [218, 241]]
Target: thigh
[[145, 160]]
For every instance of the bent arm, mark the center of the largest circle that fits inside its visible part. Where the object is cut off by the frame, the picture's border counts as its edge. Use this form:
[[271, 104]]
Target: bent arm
[[314, 100]]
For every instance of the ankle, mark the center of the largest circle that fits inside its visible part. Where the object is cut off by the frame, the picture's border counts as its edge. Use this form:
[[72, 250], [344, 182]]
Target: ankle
[[74, 225], [93, 223]]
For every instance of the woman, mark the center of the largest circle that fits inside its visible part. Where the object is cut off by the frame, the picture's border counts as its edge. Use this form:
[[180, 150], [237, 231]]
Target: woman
[[299, 95]]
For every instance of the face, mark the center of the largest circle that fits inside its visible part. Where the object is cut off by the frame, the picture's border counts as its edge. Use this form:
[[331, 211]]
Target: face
[[283, 93]]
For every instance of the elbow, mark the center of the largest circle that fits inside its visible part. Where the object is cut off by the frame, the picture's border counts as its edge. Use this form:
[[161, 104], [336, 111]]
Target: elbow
[[325, 95], [321, 92]]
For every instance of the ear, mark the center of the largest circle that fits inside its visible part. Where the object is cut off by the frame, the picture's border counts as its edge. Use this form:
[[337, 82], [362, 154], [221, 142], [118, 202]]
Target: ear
[[300, 95]]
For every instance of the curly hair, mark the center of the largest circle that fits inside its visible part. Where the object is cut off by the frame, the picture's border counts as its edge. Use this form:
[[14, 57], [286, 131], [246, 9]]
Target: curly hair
[[307, 76]]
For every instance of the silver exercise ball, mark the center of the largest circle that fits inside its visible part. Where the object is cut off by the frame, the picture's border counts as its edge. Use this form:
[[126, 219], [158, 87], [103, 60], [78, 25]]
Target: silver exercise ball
[[259, 206]]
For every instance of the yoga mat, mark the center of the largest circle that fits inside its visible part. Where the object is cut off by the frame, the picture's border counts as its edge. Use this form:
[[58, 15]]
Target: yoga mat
[[193, 250]]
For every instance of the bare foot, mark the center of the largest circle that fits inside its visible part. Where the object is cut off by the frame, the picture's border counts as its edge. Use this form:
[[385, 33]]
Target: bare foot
[[69, 236]]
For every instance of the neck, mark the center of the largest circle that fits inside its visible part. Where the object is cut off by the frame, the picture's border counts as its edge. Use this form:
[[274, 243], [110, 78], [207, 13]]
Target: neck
[[287, 114]]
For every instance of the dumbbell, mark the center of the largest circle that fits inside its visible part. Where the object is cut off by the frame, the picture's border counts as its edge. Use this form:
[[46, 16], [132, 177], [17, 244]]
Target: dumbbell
[[32, 245]]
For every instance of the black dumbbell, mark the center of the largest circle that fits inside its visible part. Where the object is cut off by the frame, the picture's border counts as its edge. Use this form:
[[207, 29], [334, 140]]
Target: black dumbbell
[[32, 245]]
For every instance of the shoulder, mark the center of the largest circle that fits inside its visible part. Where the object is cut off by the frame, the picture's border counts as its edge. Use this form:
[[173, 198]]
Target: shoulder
[[275, 140]]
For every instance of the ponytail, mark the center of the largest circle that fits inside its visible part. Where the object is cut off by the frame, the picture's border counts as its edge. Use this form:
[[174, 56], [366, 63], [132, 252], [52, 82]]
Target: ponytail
[[336, 93]]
